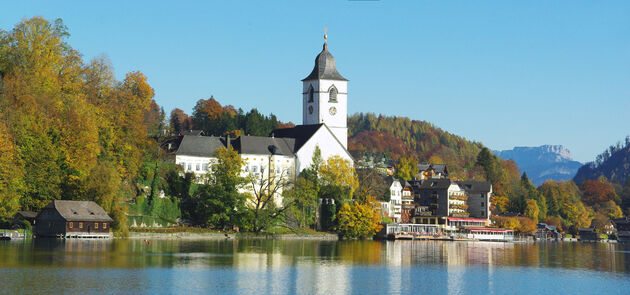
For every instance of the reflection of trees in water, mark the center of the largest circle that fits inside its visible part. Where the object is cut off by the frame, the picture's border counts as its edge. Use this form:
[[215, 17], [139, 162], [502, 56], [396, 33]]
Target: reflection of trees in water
[[273, 254]]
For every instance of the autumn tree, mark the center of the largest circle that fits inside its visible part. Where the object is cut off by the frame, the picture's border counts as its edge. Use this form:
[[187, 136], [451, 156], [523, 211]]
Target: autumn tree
[[179, 120], [339, 172], [407, 168], [499, 203], [358, 221], [531, 210], [530, 192], [527, 225], [506, 222], [10, 175], [609, 209], [555, 221], [598, 191], [69, 129]]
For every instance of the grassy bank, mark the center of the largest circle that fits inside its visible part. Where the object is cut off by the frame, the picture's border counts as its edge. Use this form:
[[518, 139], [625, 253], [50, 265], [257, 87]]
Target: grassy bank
[[183, 232]]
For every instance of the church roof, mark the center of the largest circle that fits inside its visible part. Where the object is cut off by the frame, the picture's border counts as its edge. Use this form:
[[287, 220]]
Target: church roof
[[301, 134], [260, 145], [325, 67], [199, 146]]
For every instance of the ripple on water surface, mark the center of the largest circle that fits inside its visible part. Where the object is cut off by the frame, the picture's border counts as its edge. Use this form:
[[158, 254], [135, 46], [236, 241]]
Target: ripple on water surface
[[311, 267]]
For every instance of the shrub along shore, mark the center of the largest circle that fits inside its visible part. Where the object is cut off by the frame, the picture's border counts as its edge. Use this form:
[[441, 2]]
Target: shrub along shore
[[223, 236]]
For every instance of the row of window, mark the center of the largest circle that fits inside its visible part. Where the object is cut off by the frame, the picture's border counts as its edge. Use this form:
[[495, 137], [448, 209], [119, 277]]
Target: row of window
[[197, 167], [80, 225], [262, 168], [253, 168]]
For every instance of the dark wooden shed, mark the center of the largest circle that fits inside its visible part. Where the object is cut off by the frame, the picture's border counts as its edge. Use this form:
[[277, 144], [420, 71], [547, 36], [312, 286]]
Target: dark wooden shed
[[73, 219], [25, 215]]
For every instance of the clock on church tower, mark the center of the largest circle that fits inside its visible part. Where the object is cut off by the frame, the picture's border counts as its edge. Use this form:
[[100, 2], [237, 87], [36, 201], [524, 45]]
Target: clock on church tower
[[325, 96]]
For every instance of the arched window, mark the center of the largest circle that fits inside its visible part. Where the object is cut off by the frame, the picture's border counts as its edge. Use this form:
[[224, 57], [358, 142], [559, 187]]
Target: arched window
[[310, 93], [332, 94]]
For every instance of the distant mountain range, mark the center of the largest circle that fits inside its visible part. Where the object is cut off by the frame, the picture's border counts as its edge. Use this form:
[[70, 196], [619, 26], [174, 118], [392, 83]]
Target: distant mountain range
[[544, 162]]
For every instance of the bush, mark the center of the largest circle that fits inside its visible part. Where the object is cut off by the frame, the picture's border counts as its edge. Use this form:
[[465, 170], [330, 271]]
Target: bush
[[174, 229], [358, 221]]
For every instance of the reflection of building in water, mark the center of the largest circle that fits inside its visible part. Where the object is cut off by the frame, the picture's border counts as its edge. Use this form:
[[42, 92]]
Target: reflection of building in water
[[393, 259], [262, 272], [65, 251], [321, 277]]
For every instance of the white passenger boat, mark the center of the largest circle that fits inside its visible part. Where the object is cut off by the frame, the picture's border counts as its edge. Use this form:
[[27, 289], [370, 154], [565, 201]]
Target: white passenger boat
[[490, 234]]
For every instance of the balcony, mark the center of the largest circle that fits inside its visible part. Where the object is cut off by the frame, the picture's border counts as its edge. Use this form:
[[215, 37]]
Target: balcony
[[459, 197], [459, 206], [459, 214]]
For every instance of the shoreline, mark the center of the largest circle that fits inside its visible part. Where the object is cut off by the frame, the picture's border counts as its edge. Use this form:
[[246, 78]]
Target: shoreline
[[237, 236]]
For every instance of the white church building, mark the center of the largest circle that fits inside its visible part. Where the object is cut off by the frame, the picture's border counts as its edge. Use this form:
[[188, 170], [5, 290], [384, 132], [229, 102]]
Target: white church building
[[287, 151]]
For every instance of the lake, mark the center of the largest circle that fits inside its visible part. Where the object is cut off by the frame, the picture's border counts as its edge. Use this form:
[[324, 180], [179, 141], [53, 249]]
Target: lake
[[131, 266]]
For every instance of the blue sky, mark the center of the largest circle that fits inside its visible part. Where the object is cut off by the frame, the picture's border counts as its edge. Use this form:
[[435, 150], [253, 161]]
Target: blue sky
[[519, 73]]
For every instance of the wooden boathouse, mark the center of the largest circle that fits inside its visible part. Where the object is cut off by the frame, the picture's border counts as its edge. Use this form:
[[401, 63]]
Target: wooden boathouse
[[73, 219]]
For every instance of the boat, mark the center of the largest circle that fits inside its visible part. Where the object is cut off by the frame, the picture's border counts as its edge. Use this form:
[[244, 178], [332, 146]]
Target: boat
[[490, 234]]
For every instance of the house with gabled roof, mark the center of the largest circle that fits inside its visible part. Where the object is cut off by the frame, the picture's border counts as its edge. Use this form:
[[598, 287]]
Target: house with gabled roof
[[81, 219], [428, 171]]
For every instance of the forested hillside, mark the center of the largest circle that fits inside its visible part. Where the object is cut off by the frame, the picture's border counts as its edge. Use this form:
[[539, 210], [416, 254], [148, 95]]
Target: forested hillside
[[564, 204], [68, 129], [400, 136], [614, 164]]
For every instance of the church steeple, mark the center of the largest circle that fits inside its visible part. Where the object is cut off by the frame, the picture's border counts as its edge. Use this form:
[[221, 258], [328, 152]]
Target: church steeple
[[325, 96], [325, 67]]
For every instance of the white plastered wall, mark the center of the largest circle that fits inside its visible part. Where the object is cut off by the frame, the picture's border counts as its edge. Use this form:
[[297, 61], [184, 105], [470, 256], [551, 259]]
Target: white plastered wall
[[328, 146]]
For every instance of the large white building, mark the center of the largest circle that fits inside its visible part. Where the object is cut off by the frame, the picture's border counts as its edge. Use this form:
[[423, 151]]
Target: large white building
[[287, 151], [393, 208]]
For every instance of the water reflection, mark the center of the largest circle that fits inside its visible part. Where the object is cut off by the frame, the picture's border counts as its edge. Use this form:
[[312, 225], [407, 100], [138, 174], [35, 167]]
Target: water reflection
[[311, 267]]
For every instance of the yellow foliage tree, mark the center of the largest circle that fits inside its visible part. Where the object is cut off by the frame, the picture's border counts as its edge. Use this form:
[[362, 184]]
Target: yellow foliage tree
[[339, 172], [9, 175], [358, 221], [532, 210], [506, 222]]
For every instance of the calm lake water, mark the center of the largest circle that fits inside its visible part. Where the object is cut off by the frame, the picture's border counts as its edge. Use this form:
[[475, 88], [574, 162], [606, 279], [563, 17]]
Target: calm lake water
[[311, 267]]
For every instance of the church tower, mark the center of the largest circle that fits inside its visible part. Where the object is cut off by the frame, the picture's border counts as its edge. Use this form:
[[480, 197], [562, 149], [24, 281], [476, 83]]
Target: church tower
[[325, 96]]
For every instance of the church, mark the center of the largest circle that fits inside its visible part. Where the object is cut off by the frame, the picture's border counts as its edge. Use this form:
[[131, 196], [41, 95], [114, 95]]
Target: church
[[287, 151]]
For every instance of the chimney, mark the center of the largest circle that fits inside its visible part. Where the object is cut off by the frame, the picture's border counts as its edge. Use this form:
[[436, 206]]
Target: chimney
[[227, 140]]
